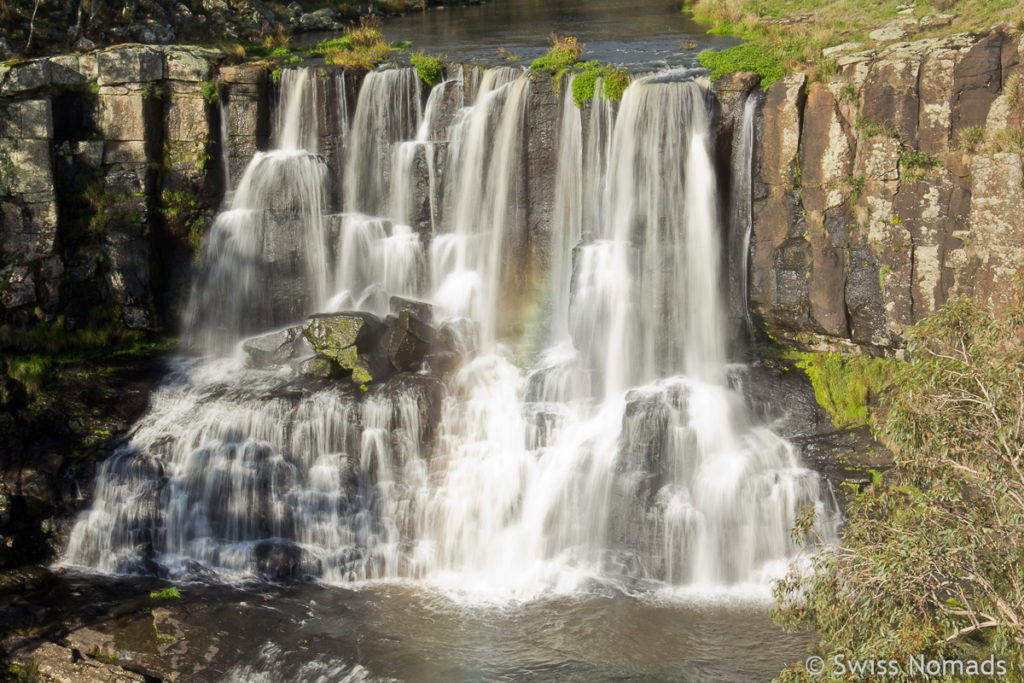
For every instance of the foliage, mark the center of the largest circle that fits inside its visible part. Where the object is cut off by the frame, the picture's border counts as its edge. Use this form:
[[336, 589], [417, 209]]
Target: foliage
[[211, 91], [428, 68], [169, 593], [856, 184], [614, 82], [565, 52], [869, 129], [930, 563], [746, 57], [366, 34], [846, 386], [1006, 140], [971, 138], [914, 165], [361, 47]]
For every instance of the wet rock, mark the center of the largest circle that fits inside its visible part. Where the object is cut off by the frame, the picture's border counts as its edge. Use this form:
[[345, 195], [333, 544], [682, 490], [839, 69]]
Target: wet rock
[[407, 341], [275, 348], [279, 561], [353, 341], [319, 366], [454, 341], [423, 310]]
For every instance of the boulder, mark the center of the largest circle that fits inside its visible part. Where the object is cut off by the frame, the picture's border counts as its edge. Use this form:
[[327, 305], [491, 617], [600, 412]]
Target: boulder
[[319, 366], [421, 309], [453, 342], [275, 348], [407, 341], [353, 341]]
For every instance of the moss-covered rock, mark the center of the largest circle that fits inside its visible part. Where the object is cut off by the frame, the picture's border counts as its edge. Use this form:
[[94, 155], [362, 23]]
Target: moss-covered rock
[[353, 341]]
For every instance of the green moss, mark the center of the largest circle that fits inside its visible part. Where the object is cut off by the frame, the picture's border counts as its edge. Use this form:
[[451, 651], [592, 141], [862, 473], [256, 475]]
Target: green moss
[[615, 83], [361, 375], [428, 68], [746, 57], [845, 386], [169, 593], [210, 90], [583, 83]]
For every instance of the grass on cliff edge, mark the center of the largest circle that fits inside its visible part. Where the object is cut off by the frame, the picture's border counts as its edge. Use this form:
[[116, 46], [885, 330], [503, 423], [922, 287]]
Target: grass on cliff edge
[[791, 34], [361, 47], [565, 56]]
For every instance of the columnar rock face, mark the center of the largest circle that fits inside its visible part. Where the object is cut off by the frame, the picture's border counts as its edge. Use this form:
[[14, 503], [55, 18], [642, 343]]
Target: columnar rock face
[[103, 159], [246, 110], [882, 194]]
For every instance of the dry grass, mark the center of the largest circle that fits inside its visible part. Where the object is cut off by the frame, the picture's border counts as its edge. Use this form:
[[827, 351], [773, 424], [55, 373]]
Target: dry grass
[[367, 34]]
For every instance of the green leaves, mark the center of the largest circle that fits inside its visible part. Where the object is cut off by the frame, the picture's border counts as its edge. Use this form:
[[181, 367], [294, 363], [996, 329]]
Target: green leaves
[[933, 551]]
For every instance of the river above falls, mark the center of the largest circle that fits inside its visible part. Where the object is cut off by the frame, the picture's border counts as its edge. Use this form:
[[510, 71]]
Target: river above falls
[[640, 36]]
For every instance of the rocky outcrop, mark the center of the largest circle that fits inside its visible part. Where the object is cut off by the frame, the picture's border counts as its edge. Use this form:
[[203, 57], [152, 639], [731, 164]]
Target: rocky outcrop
[[369, 349], [895, 187], [105, 159]]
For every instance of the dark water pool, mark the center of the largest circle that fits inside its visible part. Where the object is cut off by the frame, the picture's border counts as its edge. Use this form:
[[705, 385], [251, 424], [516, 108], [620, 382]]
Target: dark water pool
[[396, 631]]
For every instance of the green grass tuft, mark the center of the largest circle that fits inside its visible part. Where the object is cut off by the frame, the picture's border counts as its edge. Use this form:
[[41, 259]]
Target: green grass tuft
[[169, 593], [746, 57]]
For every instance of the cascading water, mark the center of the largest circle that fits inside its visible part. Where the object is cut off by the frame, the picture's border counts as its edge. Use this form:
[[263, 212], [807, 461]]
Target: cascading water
[[620, 451]]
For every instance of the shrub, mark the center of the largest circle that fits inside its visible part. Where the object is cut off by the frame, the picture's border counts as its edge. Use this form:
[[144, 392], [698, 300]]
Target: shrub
[[971, 137], [746, 57], [929, 563], [565, 51], [367, 34], [428, 68], [362, 47]]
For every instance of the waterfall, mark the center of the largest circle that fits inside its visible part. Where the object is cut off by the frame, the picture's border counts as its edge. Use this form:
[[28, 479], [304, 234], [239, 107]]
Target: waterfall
[[265, 260], [742, 210], [619, 453]]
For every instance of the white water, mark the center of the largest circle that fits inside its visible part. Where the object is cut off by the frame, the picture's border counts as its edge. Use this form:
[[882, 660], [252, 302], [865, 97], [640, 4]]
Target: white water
[[617, 453]]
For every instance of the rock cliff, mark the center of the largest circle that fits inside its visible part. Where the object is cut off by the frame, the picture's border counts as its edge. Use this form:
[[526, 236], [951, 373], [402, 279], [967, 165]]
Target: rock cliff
[[883, 193]]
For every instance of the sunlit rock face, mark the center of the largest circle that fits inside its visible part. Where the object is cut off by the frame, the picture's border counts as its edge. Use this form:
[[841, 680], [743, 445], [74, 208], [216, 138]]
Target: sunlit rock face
[[885, 193]]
